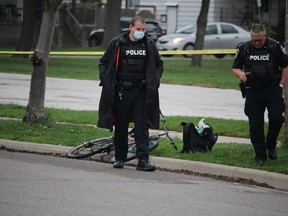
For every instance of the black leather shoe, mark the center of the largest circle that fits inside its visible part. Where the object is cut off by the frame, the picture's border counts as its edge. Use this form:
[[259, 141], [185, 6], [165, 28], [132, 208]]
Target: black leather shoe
[[259, 163], [144, 165], [118, 164], [272, 154]]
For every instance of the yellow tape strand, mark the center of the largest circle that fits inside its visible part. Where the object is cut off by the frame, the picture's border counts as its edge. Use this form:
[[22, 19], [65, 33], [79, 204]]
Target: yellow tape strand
[[166, 52]]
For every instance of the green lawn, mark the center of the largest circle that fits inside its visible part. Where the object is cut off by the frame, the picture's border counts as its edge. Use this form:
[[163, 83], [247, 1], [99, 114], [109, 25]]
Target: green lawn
[[213, 73]]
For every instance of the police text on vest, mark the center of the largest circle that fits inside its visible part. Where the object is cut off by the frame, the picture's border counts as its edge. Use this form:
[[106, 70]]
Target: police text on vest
[[136, 52], [259, 57]]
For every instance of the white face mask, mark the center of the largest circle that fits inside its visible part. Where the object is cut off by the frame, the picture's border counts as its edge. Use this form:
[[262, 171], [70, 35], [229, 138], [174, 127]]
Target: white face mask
[[138, 35]]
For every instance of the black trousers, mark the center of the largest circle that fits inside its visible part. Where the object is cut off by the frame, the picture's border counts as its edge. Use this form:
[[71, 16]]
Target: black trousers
[[132, 102], [257, 100]]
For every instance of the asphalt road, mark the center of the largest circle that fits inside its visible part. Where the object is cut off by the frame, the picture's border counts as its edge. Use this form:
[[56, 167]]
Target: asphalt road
[[33, 185]]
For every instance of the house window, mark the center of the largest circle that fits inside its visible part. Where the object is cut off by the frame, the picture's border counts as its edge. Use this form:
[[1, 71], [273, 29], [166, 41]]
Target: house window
[[132, 3], [163, 18]]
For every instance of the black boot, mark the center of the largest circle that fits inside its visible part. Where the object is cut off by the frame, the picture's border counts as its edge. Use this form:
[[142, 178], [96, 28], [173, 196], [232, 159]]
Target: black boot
[[118, 164], [144, 165], [272, 154]]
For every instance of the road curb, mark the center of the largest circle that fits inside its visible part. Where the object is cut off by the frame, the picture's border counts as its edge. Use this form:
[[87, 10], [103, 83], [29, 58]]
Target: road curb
[[275, 180]]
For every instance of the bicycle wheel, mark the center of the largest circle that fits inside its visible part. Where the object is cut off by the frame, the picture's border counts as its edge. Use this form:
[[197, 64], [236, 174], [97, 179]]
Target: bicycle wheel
[[153, 144], [131, 155], [91, 147]]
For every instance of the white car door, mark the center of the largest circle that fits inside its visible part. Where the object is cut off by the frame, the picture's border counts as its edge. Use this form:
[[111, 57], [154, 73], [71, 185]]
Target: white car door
[[229, 37], [211, 36]]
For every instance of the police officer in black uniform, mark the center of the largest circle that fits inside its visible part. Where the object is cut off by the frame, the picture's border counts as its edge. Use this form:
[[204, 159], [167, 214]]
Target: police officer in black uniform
[[130, 72], [262, 66]]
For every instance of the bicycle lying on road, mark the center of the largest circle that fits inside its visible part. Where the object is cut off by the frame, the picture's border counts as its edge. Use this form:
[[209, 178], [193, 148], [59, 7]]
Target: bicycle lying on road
[[106, 144]]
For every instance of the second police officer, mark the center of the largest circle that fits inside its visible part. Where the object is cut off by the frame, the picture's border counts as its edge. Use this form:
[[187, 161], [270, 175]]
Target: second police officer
[[262, 66]]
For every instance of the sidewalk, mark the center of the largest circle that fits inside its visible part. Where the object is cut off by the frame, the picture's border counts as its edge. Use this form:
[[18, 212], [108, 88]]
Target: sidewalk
[[221, 139], [85, 95]]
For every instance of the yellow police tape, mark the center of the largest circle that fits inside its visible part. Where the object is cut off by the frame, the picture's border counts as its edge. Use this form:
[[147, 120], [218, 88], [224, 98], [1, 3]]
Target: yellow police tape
[[166, 52]]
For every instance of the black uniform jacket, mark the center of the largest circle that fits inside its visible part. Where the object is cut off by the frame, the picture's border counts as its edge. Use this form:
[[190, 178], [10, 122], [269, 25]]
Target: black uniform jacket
[[154, 70], [274, 47]]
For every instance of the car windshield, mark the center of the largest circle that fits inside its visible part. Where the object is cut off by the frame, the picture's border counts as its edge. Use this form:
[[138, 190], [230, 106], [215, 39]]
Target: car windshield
[[189, 29]]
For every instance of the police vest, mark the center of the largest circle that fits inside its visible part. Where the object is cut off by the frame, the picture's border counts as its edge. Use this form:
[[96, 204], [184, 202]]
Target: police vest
[[133, 59], [261, 63]]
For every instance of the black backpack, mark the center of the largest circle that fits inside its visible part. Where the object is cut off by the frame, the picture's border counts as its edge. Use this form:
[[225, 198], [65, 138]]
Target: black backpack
[[194, 142]]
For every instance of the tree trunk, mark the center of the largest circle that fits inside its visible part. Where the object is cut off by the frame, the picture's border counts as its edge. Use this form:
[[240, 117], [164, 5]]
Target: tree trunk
[[39, 59], [112, 21], [28, 27], [286, 85], [201, 28]]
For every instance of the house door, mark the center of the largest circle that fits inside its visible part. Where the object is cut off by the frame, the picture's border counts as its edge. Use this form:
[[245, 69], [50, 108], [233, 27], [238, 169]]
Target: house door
[[172, 17]]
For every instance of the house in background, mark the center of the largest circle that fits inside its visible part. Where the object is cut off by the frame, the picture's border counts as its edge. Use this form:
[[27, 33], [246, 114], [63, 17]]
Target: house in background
[[174, 14], [171, 14]]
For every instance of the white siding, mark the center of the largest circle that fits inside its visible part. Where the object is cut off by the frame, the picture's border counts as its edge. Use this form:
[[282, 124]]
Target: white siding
[[233, 11], [188, 10]]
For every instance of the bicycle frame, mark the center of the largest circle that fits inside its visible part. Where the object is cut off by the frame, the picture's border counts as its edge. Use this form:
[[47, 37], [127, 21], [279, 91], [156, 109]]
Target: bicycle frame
[[165, 132], [157, 136], [106, 145]]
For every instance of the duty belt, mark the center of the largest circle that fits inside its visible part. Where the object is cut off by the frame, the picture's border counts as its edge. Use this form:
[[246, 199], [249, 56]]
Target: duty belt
[[132, 84], [264, 85]]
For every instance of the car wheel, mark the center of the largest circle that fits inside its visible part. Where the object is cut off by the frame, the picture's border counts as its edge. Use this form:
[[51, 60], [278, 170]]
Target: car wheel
[[219, 56], [93, 42], [188, 46]]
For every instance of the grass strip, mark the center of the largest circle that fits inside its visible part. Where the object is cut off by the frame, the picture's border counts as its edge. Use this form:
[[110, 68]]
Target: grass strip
[[224, 127], [48, 132]]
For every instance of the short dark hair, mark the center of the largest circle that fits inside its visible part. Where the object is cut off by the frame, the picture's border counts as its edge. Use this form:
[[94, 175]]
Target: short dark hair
[[258, 29], [137, 19]]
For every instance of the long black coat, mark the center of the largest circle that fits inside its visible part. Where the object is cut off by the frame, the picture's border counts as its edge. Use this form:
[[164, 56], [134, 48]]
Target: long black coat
[[107, 74]]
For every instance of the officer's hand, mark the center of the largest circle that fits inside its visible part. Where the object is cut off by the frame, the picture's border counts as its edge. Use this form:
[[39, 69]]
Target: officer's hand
[[283, 89], [242, 76]]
